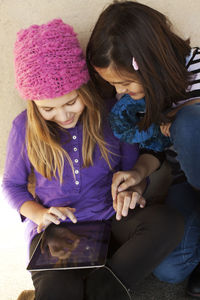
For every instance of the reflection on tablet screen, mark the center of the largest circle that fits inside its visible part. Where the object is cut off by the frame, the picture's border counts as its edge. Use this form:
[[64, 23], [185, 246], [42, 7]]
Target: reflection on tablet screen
[[68, 245]]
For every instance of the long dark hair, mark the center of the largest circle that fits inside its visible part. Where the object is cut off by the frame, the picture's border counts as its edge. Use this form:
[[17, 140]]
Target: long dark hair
[[129, 29]]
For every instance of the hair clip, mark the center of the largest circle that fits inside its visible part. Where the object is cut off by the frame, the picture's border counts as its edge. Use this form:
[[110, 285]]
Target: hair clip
[[134, 64]]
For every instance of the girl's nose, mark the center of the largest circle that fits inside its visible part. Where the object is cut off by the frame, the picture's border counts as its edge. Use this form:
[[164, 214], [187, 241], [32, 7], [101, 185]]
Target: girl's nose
[[61, 115], [120, 89]]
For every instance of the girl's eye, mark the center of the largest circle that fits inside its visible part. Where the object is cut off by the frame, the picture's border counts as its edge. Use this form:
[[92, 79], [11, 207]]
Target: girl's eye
[[48, 109], [127, 83], [122, 84], [71, 102]]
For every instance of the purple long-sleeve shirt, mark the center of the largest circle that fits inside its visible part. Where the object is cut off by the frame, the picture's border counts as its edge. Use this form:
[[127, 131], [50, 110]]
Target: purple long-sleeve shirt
[[89, 192]]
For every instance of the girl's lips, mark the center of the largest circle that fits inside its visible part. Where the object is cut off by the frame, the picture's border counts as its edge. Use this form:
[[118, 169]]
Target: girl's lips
[[67, 122]]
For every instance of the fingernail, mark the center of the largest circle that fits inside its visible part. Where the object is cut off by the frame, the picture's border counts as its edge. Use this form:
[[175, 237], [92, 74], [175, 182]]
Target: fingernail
[[63, 218], [124, 214]]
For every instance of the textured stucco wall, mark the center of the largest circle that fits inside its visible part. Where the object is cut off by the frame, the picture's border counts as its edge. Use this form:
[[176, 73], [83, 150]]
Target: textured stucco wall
[[81, 14]]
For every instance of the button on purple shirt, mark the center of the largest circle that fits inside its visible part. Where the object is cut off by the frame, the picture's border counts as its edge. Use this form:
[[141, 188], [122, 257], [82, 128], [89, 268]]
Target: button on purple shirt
[[89, 192]]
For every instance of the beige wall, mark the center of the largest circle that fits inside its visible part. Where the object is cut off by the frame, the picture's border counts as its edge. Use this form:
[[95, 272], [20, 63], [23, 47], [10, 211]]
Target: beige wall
[[81, 14]]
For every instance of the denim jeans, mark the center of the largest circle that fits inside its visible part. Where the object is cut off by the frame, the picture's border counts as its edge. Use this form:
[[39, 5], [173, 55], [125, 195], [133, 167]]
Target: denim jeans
[[185, 134], [180, 263]]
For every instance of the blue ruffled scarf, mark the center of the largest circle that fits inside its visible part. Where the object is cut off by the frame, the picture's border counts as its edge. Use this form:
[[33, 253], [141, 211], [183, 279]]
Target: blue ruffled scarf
[[124, 117]]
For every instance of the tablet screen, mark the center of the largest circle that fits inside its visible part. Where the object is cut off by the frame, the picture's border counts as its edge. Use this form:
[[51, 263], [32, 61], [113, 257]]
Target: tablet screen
[[68, 245]]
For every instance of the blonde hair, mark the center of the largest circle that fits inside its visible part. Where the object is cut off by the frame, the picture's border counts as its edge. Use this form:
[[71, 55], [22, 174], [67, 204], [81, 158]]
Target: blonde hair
[[42, 138], [27, 295]]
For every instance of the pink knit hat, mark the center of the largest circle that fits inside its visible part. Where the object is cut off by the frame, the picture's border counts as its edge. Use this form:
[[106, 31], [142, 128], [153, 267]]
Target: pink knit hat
[[49, 62]]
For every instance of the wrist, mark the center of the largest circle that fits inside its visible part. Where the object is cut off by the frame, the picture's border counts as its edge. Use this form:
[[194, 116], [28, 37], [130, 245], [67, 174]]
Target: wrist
[[33, 211], [39, 215], [141, 173]]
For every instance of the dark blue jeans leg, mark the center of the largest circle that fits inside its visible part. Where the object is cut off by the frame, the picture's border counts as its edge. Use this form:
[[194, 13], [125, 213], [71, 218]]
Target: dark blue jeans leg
[[185, 135], [181, 262]]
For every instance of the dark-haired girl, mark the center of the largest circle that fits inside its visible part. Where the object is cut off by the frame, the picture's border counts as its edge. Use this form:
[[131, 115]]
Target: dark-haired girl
[[133, 48]]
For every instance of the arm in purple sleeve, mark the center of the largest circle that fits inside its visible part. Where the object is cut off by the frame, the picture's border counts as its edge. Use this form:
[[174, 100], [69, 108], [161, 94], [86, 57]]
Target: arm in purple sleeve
[[17, 166]]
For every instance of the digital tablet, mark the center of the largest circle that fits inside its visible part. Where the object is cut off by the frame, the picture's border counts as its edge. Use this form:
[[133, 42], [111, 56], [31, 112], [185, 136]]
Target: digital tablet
[[71, 246]]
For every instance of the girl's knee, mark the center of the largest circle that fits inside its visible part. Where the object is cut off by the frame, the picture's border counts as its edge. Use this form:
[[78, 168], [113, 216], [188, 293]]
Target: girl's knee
[[170, 273], [186, 123]]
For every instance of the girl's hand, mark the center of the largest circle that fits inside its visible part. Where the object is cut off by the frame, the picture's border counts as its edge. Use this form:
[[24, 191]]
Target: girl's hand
[[123, 180], [127, 200], [165, 129], [54, 215]]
